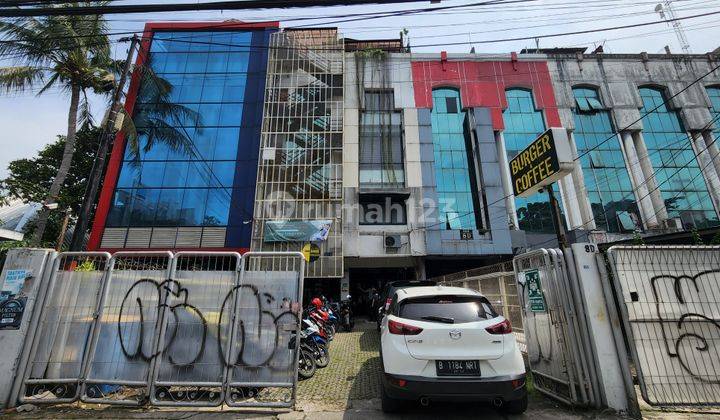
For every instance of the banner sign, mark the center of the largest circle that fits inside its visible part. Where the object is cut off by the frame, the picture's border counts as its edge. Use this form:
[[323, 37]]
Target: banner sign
[[535, 293], [12, 301], [544, 161], [297, 230]]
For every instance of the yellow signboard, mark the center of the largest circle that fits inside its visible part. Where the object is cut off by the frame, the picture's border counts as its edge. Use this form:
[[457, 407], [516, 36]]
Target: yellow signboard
[[543, 162], [311, 252]]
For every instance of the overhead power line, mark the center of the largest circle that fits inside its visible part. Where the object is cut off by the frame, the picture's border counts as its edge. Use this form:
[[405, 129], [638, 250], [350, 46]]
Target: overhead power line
[[487, 41], [175, 7]]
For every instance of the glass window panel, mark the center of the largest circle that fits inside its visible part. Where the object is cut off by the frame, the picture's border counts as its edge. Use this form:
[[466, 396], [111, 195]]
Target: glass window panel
[[196, 63], [210, 114], [213, 89], [217, 63], [144, 204], [175, 174], [129, 175], [452, 169], [199, 175], [151, 174], [583, 104], [120, 209], [218, 208], [676, 167], [606, 177], [192, 211], [595, 104], [191, 89], [168, 208], [523, 124], [224, 173], [381, 156], [451, 106], [226, 144], [231, 115], [157, 151], [237, 62], [175, 63]]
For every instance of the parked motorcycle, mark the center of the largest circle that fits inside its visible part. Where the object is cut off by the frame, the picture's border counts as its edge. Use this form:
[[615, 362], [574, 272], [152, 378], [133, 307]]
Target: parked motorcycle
[[346, 319], [319, 314], [318, 328], [315, 342], [306, 358]]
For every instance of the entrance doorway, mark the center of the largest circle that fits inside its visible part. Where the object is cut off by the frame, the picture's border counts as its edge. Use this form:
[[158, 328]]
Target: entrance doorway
[[314, 287], [366, 284]]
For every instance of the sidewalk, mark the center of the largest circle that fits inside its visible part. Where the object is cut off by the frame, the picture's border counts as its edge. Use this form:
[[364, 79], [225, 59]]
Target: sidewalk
[[347, 389]]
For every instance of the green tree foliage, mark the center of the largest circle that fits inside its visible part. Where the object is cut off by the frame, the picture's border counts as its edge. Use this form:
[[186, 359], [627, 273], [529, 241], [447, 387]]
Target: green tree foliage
[[30, 179], [69, 53]]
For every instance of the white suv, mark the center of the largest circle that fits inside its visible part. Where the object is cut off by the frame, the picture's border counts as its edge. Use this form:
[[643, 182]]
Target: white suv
[[448, 343]]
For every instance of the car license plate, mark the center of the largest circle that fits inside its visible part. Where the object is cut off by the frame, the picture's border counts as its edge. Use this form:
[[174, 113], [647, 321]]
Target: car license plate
[[457, 367]]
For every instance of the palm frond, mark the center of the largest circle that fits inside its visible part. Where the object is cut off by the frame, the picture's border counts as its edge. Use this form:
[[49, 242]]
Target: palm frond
[[54, 78], [25, 41], [130, 132], [174, 137], [20, 78]]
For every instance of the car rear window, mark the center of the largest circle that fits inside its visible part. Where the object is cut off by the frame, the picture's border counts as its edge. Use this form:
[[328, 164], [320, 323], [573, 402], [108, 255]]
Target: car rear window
[[449, 309]]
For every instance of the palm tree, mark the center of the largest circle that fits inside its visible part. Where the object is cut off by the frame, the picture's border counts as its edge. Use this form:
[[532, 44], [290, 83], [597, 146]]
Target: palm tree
[[71, 53]]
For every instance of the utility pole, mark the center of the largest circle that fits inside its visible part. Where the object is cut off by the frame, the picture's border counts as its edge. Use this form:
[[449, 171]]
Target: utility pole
[[63, 230], [557, 219], [98, 168], [667, 12]]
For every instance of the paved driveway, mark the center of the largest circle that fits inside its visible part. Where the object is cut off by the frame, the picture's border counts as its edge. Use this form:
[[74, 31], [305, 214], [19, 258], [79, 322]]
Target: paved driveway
[[349, 388]]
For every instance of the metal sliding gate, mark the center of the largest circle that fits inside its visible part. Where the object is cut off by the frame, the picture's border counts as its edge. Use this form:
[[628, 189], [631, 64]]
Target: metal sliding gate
[[184, 329], [669, 300], [556, 333]]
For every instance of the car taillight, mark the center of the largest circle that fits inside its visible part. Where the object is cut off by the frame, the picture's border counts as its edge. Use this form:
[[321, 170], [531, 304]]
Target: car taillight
[[388, 301], [403, 329], [501, 328]]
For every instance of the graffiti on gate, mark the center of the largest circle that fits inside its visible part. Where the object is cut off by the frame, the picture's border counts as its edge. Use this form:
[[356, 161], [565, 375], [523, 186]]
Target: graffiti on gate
[[167, 292], [684, 324]]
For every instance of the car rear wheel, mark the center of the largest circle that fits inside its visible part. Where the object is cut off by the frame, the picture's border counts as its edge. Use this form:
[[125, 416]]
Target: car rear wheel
[[515, 406], [389, 405]]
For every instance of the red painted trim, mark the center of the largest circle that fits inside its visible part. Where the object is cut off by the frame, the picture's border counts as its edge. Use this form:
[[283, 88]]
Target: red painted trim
[[114, 250], [116, 157], [118, 150], [197, 26], [483, 84]]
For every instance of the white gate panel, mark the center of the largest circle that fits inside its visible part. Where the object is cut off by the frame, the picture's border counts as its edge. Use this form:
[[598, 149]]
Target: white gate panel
[[58, 351], [191, 329], [671, 309], [123, 346], [553, 328], [191, 362], [267, 315]]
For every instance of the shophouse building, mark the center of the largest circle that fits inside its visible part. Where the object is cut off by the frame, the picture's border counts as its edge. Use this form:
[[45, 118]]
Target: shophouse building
[[387, 164]]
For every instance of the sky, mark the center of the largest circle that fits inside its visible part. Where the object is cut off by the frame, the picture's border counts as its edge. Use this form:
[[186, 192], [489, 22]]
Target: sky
[[29, 122]]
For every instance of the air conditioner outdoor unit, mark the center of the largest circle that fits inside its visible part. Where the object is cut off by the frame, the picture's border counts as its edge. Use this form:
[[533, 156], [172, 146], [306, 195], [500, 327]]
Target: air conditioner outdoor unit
[[673, 223], [392, 241]]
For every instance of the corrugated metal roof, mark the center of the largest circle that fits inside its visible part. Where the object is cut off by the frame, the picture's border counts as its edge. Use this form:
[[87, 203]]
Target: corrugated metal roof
[[14, 217]]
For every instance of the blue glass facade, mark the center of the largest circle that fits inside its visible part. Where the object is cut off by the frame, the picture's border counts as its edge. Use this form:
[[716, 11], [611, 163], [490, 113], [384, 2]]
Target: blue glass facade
[[677, 171], [457, 200], [523, 124], [217, 82], [606, 177]]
